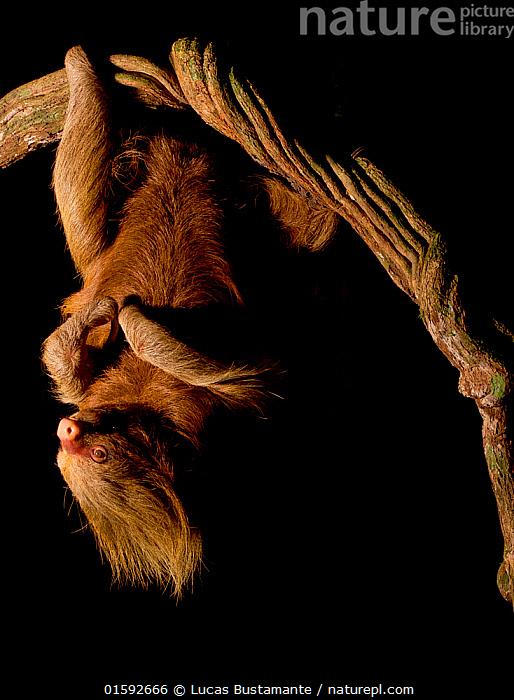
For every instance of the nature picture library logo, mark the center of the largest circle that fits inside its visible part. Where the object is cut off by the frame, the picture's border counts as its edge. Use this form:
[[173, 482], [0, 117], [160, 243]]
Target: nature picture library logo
[[471, 20]]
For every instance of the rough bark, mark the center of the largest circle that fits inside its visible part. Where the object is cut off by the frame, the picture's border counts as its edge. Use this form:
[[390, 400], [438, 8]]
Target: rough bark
[[32, 116], [414, 255]]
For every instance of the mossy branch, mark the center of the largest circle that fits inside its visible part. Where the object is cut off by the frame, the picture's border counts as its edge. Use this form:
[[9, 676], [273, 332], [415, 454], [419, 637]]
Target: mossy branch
[[32, 116]]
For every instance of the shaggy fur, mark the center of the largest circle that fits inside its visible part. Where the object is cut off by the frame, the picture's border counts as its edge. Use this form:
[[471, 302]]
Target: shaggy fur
[[140, 392]]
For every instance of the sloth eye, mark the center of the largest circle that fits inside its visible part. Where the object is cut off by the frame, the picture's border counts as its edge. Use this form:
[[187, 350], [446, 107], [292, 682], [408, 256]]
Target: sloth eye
[[99, 454]]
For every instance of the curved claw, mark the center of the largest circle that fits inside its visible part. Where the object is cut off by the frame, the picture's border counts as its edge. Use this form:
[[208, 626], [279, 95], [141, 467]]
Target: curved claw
[[155, 85]]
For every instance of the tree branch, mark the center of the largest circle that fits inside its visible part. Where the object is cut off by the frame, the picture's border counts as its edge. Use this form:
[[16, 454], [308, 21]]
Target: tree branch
[[32, 116], [414, 255]]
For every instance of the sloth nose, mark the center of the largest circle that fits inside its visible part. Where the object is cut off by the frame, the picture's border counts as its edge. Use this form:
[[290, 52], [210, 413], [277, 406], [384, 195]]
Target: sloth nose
[[69, 430]]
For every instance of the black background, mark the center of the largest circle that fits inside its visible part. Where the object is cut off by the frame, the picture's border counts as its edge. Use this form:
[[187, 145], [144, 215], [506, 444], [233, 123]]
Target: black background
[[353, 537]]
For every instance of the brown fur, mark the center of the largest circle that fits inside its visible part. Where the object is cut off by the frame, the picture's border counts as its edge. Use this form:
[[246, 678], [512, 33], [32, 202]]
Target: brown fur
[[139, 400], [308, 227]]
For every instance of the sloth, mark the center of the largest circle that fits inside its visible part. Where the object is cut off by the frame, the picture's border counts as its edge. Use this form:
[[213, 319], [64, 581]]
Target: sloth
[[147, 246]]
